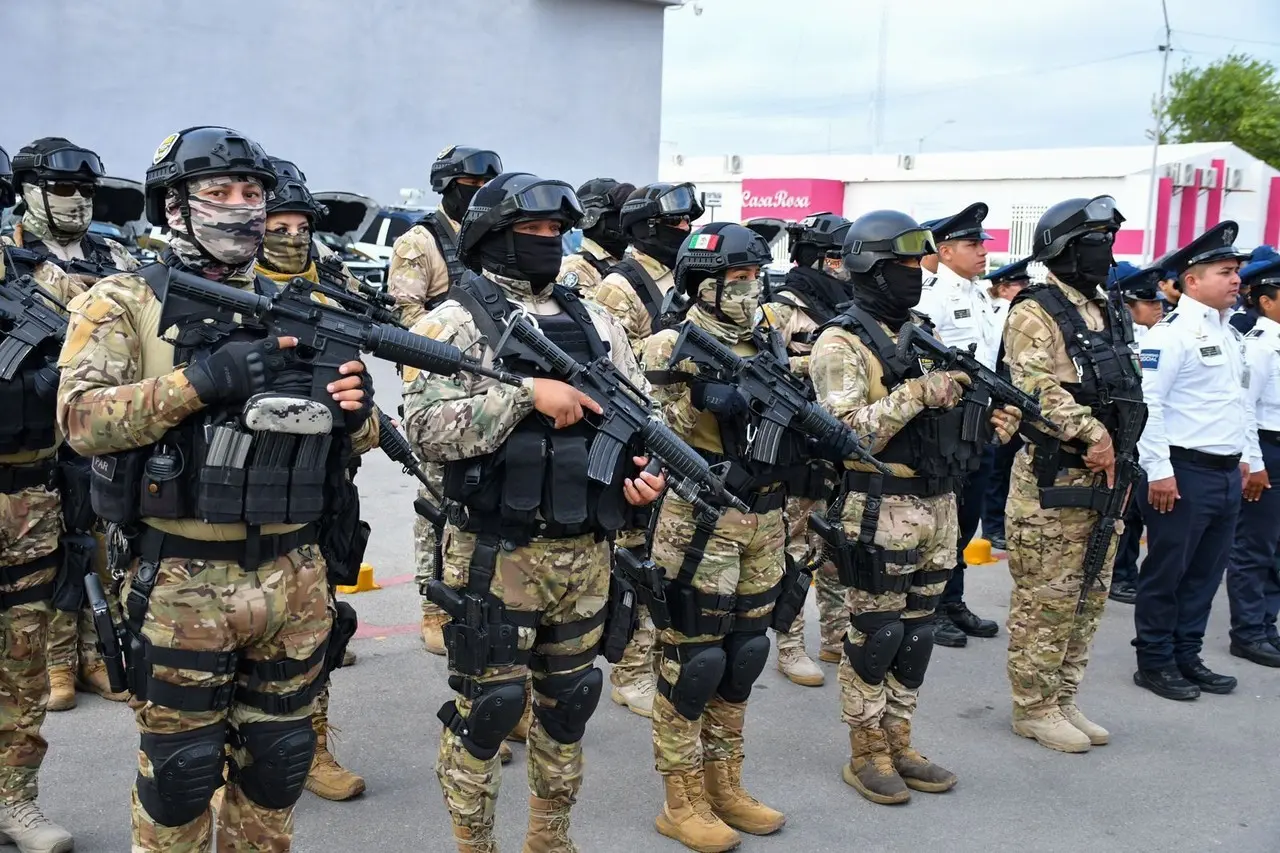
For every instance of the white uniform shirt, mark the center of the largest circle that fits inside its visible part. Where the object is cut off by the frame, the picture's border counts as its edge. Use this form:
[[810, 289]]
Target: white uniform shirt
[[1193, 380], [1262, 399], [962, 314]]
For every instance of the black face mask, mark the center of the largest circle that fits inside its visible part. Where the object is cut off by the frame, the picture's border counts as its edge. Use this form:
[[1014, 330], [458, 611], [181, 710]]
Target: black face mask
[[537, 259], [893, 300], [664, 245], [608, 235], [456, 199], [1084, 265]]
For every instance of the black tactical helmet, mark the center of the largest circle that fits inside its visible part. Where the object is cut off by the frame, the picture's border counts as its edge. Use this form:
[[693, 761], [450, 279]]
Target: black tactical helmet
[[713, 250], [287, 169], [823, 231], [884, 235], [651, 203], [7, 197], [290, 196], [1067, 220], [200, 152], [601, 196], [510, 198], [55, 159], [455, 162]]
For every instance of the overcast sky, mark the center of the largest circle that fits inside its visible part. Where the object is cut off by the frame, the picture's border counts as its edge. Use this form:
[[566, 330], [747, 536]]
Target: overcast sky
[[798, 76]]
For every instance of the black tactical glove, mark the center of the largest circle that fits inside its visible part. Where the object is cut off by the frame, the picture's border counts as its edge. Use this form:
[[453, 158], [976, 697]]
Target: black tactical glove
[[353, 420], [717, 397], [238, 370]]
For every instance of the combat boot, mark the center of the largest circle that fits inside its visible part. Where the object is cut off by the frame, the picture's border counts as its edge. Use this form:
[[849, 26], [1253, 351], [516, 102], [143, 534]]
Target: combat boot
[[548, 827], [1051, 729], [870, 770], [733, 805], [687, 817], [917, 771], [520, 733], [831, 654], [62, 688], [433, 631], [327, 778], [348, 657], [93, 679], [475, 839], [636, 697], [796, 665], [22, 823], [1097, 735]]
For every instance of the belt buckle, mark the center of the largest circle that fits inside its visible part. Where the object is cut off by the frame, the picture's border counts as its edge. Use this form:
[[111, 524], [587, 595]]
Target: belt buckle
[[222, 695]]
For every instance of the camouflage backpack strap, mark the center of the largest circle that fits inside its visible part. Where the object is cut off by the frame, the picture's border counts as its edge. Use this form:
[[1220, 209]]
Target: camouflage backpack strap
[[447, 241]]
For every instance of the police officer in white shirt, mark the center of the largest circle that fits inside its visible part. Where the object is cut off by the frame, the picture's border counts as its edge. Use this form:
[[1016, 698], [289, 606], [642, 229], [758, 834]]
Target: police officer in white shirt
[[961, 311], [1253, 587], [1193, 380]]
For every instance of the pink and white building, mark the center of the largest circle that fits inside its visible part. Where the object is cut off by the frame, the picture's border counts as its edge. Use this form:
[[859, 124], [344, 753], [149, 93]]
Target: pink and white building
[[1197, 185]]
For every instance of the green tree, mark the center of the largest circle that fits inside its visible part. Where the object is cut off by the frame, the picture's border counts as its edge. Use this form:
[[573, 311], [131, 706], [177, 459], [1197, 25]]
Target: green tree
[[1236, 99]]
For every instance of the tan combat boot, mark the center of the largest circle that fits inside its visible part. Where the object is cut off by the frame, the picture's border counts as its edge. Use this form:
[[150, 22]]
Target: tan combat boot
[[917, 771], [62, 688], [548, 827], [93, 679], [475, 839], [796, 665], [830, 654], [433, 631], [870, 770], [1050, 728], [733, 805], [1097, 735], [22, 823], [328, 778], [687, 817], [636, 697], [520, 733]]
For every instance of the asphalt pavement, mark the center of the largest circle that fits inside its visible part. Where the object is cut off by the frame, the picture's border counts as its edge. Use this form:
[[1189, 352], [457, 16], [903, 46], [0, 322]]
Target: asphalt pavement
[[1177, 776]]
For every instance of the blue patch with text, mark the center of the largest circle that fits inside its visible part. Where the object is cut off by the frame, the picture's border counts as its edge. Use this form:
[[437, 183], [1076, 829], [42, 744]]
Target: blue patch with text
[[1150, 359]]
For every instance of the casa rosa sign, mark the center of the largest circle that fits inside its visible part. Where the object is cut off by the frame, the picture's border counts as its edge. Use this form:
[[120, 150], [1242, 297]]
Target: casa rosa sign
[[790, 198]]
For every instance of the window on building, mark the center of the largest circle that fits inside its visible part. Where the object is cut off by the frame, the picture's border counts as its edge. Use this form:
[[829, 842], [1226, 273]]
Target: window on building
[[1023, 228]]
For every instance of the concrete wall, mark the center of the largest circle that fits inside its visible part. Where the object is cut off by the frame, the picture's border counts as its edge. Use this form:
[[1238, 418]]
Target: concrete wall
[[362, 94]]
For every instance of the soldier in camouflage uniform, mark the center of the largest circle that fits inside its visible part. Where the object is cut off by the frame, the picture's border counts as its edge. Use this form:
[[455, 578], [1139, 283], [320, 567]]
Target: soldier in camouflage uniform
[[58, 181], [1067, 345], [526, 535], [895, 556], [231, 620], [30, 527], [729, 571], [796, 309], [654, 219], [603, 241], [424, 265]]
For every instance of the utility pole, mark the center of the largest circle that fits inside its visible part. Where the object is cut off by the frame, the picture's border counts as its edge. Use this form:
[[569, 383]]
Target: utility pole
[[1149, 233], [882, 75]]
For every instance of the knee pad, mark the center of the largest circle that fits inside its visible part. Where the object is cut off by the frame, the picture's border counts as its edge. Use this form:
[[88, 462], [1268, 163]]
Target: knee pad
[[279, 758], [186, 770], [745, 656], [872, 659], [913, 655], [496, 709], [700, 675], [577, 694]]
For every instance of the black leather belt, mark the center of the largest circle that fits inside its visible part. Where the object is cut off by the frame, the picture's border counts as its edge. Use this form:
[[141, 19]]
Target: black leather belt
[[1208, 460]]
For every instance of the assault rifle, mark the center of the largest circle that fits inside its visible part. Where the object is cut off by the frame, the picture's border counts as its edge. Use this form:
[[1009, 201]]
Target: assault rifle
[[779, 397], [365, 297], [328, 335], [25, 311], [987, 390], [398, 450], [628, 413]]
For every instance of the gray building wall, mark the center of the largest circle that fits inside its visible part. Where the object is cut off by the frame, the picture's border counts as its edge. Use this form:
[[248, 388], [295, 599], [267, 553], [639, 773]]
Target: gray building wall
[[362, 94]]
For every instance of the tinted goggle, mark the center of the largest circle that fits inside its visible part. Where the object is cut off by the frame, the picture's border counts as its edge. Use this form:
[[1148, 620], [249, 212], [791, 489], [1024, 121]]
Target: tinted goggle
[[66, 189], [68, 160], [679, 201], [915, 243], [285, 169], [1101, 212], [481, 163], [549, 198]]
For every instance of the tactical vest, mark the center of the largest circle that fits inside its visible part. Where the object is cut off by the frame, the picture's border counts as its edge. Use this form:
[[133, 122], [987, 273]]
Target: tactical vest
[[535, 485], [447, 242], [95, 248], [929, 443], [211, 467], [820, 297], [27, 399], [644, 286], [1104, 360]]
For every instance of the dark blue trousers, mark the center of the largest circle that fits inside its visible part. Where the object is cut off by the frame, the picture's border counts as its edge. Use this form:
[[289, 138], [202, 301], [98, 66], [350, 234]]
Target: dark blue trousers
[[1187, 553], [998, 487], [1253, 585], [1126, 569], [969, 502]]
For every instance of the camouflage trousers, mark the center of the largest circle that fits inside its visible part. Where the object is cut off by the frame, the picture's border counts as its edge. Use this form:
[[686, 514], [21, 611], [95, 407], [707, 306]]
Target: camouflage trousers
[[803, 546], [565, 580], [281, 610], [637, 660], [906, 522], [424, 558], [1048, 641], [744, 556], [73, 642]]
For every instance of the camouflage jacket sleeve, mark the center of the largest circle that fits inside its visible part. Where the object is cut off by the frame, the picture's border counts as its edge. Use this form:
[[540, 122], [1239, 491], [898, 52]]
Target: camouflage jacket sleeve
[[104, 403], [452, 418], [58, 283], [673, 398], [616, 296], [367, 437], [842, 372], [588, 278], [120, 257], [782, 319], [416, 274], [1031, 337]]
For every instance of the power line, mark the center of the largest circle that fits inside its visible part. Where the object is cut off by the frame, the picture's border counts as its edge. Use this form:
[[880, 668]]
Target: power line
[[1229, 38]]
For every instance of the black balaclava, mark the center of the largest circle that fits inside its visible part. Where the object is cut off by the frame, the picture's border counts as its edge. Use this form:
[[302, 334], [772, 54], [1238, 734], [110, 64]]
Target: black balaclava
[[608, 233], [663, 244], [1084, 264], [456, 198], [527, 257], [889, 292]]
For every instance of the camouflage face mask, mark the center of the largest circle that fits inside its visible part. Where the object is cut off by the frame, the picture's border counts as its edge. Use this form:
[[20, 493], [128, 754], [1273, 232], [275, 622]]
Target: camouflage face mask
[[231, 233], [739, 299], [64, 219], [286, 252]]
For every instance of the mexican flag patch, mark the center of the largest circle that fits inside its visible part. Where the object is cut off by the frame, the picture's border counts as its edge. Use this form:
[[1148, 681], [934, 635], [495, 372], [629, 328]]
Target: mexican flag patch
[[707, 242]]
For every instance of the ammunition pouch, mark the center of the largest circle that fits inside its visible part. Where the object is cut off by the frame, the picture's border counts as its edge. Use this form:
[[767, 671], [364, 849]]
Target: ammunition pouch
[[73, 488], [343, 536], [78, 551], [696, 613]]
